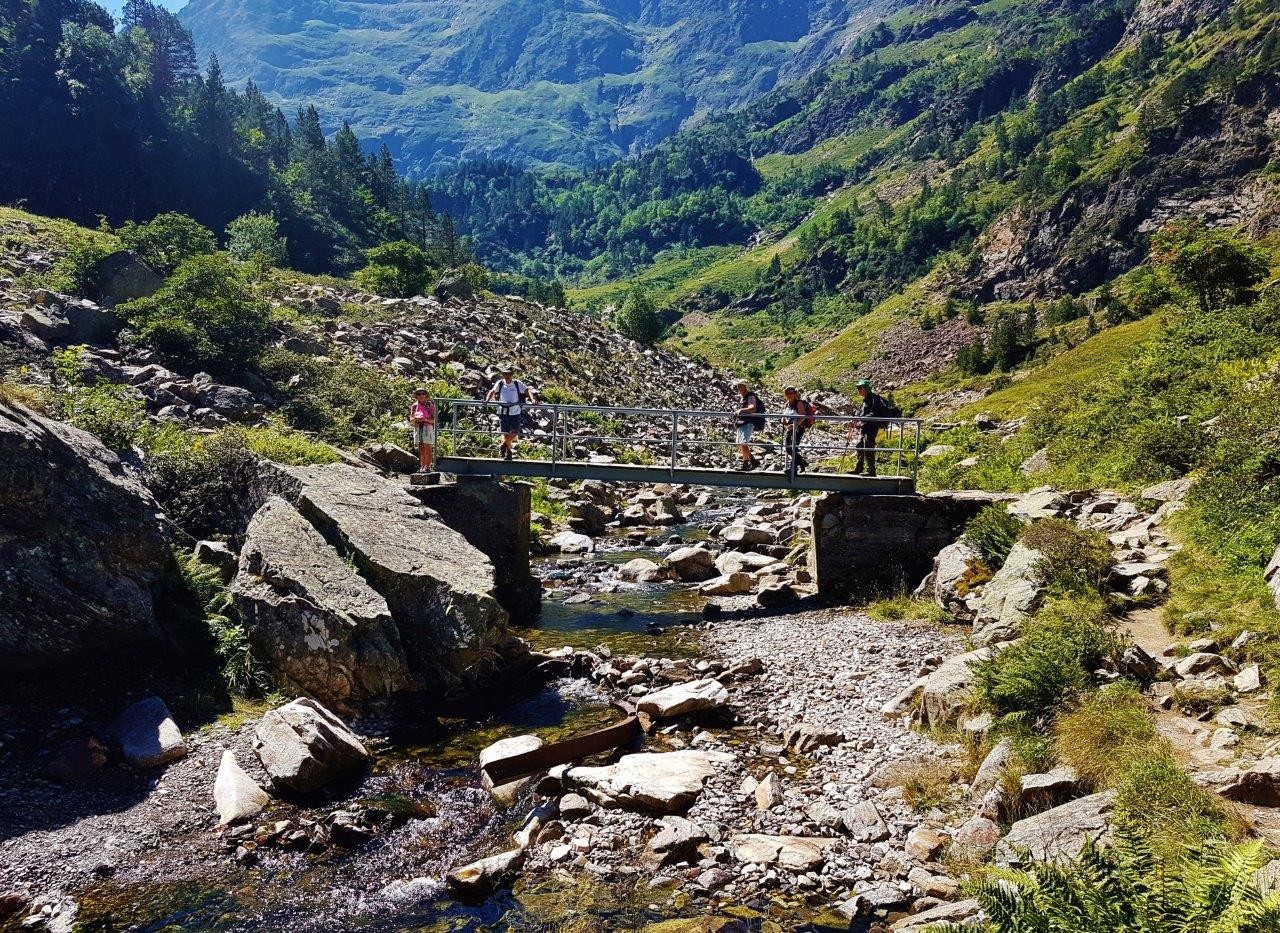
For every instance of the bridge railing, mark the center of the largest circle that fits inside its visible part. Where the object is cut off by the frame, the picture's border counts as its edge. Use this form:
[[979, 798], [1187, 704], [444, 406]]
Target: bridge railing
[[675, 439]]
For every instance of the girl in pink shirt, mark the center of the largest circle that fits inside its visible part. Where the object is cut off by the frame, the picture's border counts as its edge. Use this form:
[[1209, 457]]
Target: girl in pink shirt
[[422, 416]]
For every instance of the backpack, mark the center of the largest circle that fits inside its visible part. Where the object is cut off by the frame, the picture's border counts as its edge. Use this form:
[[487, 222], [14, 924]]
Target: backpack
[[884, 409], [757, 420], [810, 410]]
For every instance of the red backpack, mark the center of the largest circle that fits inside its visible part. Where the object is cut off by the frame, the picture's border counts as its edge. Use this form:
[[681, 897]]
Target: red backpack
[[809, 412]]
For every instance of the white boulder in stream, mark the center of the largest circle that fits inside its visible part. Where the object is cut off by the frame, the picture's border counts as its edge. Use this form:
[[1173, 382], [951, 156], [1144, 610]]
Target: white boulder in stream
[[679, 699], [237, 795], [658, 782], [509, 747], [303, 746], [480, 878], [147, 734]]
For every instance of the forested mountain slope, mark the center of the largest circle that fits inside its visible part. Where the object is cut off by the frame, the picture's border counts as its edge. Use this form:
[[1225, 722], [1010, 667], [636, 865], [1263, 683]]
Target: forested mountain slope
[[575, 82], [955, 155]]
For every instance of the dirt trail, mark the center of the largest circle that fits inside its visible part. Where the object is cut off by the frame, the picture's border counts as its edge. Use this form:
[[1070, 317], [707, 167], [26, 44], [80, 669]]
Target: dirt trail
[[1186, 734]]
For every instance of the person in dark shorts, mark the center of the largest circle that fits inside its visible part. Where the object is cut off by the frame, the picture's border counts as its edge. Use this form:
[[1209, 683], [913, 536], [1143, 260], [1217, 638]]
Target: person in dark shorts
[[511, 395]]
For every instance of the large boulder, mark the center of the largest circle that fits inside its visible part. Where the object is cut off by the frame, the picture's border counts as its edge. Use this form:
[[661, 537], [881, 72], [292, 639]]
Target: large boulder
[[692, 564], [794, 853], [500, 750], [124, 276], [679, 699], [949, 573], [1010, 597], [657, 782], [81, 548], [71, 322], [438, 589], [1060, 833], [325, 630], [945, 690], [236, 794], [147, 734], [303, 746]]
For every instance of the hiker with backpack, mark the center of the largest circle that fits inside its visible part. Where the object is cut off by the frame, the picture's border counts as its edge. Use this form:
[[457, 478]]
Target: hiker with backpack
[[800, 420], [873, 406], [511, 394], [748, 418]]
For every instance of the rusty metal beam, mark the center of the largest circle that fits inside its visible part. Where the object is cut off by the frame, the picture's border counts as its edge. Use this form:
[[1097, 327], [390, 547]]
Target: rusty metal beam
[[506, 770]]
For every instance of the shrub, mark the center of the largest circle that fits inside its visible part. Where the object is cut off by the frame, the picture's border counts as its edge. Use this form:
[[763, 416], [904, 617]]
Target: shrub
[[1053, 661], [196, 478], [1075, 560], [341, 401], [283, 445], [168, 240], [207, 315], [994, 532], [255, 237], [1107, 735], [28, 396], [395, 270], [902, 607], [638, 317], [1218, 266], [115, 414], [1130, 889]]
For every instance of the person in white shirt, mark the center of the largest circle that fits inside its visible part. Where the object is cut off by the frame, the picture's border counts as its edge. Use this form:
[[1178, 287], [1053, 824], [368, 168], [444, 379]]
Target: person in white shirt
[[510, 394]]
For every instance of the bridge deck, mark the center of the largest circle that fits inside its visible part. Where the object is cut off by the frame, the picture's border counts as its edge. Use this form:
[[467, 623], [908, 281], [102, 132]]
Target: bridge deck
[[632, 473]]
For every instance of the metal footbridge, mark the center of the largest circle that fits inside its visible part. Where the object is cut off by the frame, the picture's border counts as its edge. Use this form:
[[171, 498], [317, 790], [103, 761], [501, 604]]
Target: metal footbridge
[[697, 448]]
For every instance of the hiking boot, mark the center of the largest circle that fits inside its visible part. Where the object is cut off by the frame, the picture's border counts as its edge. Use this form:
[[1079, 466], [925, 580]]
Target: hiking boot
[[506, 453], [742, 467]]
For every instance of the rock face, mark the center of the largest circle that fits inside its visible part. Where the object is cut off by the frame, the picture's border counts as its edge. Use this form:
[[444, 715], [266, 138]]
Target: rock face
[[666, 782], [323, 628], [147, 734], [494, 518], [237, 796], [868, 544], [357, 591], [1060, 833], [80, 548], [303, 746], [1014, 593]]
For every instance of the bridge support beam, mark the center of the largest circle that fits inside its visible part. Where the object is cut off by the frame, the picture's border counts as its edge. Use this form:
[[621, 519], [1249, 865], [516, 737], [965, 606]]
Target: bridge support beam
[[866, 546], [494, 518]]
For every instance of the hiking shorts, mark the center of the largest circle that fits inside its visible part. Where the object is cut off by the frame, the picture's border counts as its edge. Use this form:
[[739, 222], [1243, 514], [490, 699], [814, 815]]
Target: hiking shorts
[[744, 432], [424, 434], [511, 424]]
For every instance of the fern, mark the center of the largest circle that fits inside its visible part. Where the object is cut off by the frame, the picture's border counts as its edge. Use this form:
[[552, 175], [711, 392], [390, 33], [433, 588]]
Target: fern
[[1209, 888]]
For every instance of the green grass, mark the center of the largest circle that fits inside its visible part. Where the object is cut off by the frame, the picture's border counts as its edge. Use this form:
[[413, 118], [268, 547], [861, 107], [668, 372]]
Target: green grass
[[1069, 373], [903, 607], [72, 248]]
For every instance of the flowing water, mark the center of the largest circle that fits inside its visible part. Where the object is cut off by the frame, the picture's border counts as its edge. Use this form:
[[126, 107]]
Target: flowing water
[[434, 778]]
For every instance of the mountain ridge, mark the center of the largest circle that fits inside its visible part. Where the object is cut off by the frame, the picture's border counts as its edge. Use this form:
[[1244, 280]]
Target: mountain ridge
[[573, 82]]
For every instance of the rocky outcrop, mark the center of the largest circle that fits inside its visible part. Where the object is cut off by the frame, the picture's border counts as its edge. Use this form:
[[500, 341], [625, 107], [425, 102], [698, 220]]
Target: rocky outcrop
[[357, 591], [81, 549], [868, 544], [303, 746], [945, 691], [326, 631], [124, 276]]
